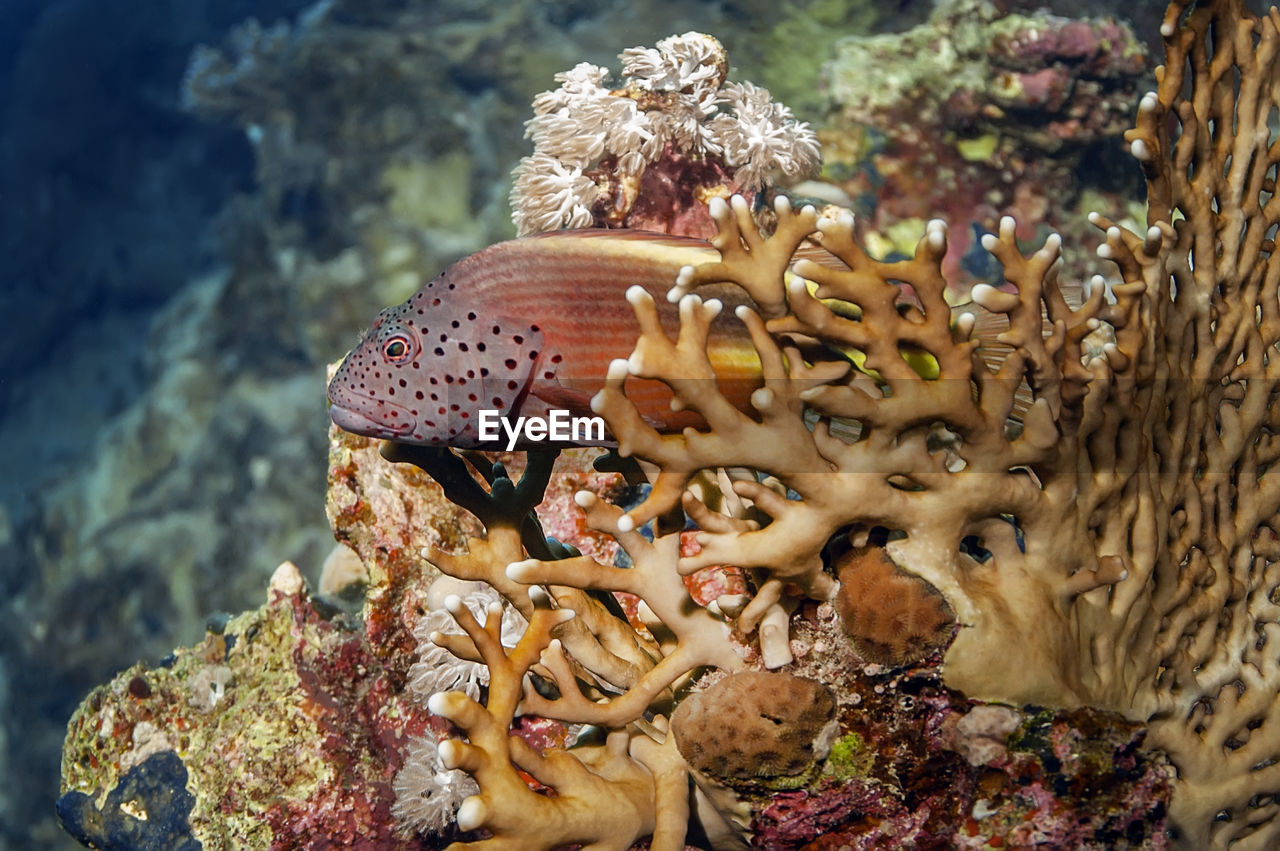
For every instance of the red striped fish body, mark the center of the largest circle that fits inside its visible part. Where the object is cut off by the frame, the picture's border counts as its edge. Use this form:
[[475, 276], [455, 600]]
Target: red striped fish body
[[524, 327]]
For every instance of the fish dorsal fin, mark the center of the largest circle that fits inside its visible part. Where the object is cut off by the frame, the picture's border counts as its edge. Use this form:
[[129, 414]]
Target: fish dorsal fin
[[624, 235]]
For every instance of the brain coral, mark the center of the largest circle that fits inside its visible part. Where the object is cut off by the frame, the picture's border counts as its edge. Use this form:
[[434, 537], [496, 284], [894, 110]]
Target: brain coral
[[894, 618], [756, 726]]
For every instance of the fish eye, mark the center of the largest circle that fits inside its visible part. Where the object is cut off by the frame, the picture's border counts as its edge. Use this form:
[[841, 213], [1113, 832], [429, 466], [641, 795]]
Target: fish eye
[[396, 349]]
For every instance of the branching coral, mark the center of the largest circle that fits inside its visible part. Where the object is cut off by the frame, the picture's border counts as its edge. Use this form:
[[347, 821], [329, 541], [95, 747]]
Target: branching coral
[[1085, 488]]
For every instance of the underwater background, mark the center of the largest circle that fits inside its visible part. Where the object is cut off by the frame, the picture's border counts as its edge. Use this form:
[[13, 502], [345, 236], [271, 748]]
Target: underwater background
[[203, 205]]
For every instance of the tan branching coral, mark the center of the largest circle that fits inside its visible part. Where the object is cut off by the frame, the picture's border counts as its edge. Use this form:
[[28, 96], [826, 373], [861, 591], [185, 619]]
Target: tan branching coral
[[605, 799], [1112, 542]]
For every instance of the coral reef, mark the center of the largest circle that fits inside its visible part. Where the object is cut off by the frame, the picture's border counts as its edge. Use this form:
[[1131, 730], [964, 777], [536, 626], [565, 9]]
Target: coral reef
[[649, 154], [980, 113], [1086, 500]]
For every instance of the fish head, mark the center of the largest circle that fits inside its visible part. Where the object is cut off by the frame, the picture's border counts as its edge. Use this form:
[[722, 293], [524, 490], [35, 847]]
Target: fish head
[[425, 370]]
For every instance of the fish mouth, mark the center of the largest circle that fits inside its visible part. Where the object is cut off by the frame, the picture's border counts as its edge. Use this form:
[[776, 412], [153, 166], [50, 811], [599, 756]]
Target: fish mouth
[[357, 423]]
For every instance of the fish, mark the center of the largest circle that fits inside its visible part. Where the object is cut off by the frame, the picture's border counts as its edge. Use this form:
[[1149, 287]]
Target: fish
[[527, 328]]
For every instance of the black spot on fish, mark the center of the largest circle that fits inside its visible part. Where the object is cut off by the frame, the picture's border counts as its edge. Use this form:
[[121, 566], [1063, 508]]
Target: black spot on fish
[[471, 317], [498, 403], [432, 380], [417, 394], [462, 347], [439, 352], [518, 339], [534, 328], [510, 363], [533, 355], [444, 338], [471, 397], [484, 372], [512, 385], [404, 383], [479, 347], [554, 359], [456, 324], [548, 374], [497, 329]]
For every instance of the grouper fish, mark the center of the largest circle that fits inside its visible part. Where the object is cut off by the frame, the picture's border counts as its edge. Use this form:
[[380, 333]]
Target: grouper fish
[[527, 328]]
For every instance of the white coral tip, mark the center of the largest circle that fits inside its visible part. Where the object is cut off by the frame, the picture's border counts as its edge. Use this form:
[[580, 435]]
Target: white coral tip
[[472, 813], [626, 523], [1149, 102], [717, 208], [714, 306], [438, 704], [618, 370], [738, 203], [989, 241], [935, 234], [524, 571], [762, 399], [585, 499], [637, 295], [1095, 219], [742, 312], [1140, 150], [1007, 226], [453, 604], [983, 294]]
